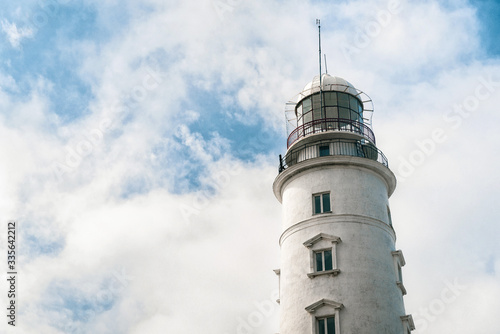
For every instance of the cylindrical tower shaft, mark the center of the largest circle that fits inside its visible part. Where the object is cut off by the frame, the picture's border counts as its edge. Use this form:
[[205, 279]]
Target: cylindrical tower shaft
[[340, 271]]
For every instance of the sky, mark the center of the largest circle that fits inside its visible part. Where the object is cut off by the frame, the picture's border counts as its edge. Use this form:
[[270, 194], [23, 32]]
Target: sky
[[140, 141]]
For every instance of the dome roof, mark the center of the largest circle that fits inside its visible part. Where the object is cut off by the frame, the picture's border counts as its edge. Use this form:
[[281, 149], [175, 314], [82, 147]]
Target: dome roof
[[328, 83]]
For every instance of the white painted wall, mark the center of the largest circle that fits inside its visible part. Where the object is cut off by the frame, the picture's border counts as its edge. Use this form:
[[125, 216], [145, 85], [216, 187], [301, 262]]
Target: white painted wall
[[366, 284]]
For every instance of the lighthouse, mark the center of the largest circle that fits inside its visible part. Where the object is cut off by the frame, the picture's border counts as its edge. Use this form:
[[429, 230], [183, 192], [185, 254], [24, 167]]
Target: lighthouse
[[340, 271]]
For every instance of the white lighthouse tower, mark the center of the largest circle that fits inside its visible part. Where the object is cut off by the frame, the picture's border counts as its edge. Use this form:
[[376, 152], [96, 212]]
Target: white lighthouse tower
[[340, 271]]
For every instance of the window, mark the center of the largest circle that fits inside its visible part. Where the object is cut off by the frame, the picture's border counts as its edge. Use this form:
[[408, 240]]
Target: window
[[399, 261], [321, 203], [389, 216], [323, 255], [316, 103], [307, 105], [323, 260], [353, 103], [307, 117], [316, 113], [400, 274], [344, 113], [343, 100], [332, 112], [324, 151], [408, 324], [330, 98], [278, 272], [325, 316], [326, 325]]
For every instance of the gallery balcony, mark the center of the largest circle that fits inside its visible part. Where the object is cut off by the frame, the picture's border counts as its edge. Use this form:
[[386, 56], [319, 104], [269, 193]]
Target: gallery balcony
[[331, 125], [332, 147]]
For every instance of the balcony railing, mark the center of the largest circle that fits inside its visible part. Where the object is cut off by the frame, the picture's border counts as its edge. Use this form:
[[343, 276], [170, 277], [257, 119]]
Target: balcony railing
[[330, 124], [354, 148]]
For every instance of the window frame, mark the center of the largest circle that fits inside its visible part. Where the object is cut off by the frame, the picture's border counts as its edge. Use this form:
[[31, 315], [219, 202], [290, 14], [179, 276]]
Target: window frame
[[323, 259], [322, 150], [399, 262], [325, 319], [320, 243], [322, 203], [324, 309], [408, 324], [278, 273], [389, 216]]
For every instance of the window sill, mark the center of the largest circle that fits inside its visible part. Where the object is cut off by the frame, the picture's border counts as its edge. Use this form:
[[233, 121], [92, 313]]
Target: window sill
[[402, 287], [321, 213], [333, 272]]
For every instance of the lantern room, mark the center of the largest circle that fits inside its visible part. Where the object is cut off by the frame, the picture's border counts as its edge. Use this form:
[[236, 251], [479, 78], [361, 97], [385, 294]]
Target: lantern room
[[332, 105]]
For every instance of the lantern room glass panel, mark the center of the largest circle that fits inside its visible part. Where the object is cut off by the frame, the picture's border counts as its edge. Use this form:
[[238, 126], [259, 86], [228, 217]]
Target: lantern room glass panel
[[343, 100], [332, 112], [330, 98], [307, 117], [306, 104]]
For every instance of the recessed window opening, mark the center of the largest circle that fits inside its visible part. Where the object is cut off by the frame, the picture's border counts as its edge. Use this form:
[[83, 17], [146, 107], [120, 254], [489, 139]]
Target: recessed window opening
[[399, 262], [389, 216], [324, 150], [323, 255], [326, 325], [324, 260], [321, 203]]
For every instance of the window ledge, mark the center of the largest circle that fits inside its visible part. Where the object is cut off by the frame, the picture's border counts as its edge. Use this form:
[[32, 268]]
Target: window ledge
[[321, 213], [402, 287], [333, 272]]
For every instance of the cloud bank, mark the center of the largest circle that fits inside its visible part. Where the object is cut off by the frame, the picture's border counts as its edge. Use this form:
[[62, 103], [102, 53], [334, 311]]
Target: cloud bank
[[140, 143]]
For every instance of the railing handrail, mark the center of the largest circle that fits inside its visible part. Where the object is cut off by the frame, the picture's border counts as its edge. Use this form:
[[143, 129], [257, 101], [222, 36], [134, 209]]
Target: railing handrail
[[342, 124], [363, 150]]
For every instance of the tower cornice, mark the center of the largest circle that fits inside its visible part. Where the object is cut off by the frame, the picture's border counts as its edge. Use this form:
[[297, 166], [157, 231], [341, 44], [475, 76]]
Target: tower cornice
[[337, 219], [338, 160]]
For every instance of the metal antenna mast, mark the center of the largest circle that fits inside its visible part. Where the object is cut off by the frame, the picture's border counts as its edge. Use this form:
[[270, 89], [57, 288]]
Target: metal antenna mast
[[318, 22]]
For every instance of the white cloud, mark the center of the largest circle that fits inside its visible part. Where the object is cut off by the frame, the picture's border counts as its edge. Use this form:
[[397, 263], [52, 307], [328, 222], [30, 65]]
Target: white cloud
[[14, 34], [206, 252]]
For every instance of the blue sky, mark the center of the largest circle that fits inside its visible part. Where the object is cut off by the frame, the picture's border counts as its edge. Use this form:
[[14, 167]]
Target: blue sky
[[138, 135], [487, 12]]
